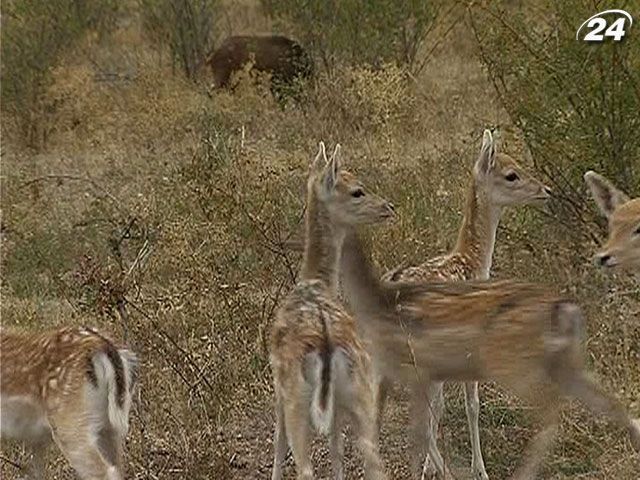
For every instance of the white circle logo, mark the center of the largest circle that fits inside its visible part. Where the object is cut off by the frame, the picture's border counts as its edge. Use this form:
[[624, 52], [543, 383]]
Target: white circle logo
[[597, 24]]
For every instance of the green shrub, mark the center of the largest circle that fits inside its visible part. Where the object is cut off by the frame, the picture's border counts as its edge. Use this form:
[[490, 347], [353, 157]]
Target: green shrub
[[187, 26], [576, 103], [359, 32], [34, 34]]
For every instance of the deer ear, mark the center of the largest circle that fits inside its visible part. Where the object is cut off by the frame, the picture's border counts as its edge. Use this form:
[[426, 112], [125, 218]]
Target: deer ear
[[487, 158], [607, 197], [320, 161], [333, 169]]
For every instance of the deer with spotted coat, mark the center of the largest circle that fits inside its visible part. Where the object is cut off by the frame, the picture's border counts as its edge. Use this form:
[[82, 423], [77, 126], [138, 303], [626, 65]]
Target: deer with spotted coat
[[498, 181], [525, 337], [321, 370], [73, 386]]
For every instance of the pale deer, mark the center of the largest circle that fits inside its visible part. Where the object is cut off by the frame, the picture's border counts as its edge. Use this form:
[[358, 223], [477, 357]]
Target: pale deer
[[524, 337], [322, 372], [498, 181], [622, 248], [70, 385]]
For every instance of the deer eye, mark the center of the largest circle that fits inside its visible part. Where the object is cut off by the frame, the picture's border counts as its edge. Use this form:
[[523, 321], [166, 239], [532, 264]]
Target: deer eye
[[512, 177], [357, 193], [637, 232]]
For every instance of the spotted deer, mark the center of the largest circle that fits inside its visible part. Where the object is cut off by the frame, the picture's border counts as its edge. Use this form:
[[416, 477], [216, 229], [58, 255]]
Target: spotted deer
[[70, 385], [622, 248], [497, 182], [524, 337], [322, 372]]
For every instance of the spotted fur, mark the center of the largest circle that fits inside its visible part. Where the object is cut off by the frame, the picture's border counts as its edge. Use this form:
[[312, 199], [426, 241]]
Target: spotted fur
[[498, 181], [321, 370], [72, 385], [523, 336]]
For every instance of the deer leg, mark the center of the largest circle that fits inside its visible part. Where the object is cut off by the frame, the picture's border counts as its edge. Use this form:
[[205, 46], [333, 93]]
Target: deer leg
[[279, 441], [381, 388], [419, 418], [362, 411], [423, 441], [111, 446], [336, 447], [540, 443], [435, 408], [82, 442], [85, 456], [297, 425], [35, 469], [594, 397], [473, 416]]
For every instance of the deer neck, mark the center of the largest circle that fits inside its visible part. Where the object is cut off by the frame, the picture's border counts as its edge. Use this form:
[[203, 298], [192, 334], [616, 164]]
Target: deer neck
[[477, 235], [323, 244]]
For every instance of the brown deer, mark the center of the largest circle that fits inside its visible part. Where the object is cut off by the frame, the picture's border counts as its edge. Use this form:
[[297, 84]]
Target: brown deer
[[283, 58], [497, 182], [322, 372], [522, 336], [622, 249], [70, 385]]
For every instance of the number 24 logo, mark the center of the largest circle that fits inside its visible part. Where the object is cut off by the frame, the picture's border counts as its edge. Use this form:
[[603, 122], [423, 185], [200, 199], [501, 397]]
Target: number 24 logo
[[597, 24]]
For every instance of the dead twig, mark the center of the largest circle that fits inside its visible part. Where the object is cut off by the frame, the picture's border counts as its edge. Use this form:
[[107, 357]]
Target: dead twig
[[11, 462]]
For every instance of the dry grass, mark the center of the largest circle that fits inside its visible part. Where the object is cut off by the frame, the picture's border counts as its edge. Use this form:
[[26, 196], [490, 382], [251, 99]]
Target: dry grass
[[214, 185]]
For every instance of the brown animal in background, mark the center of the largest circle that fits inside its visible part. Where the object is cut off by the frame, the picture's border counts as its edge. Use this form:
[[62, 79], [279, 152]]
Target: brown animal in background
[[622, 248], [71, 385], [279, 56], [321, 371], [522, 336]]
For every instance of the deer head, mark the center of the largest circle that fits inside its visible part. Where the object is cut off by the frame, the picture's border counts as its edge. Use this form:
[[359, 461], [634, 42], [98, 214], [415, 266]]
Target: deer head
[[622, 248]]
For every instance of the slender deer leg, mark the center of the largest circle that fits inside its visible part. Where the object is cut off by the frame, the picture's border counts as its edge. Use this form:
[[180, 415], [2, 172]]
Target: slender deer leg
[[363, 410], [435, 395], [297, 424], [80, 441], [84, 455], [594, 397], [473, 417], [419, 417], [381, 388], [111, 446], [423, 442], [35, 469], [540, 444], [336, 447], [279, 441]]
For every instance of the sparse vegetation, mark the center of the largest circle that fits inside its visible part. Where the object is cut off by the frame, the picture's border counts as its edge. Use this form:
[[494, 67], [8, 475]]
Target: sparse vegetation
[[188, 27], [214, 188], [577, 106], [34, 36], [358, 32]]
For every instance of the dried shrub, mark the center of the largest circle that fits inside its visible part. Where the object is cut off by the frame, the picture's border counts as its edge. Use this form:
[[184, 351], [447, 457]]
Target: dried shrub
[[34, 35], [576, 103], [186, 26], [367, 98], [358, 32]]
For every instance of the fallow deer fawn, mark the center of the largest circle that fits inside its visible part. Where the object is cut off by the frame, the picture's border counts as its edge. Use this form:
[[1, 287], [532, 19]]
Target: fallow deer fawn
[[322, 372], [498, 181], [70, 385], [622, 249], [522, 336]]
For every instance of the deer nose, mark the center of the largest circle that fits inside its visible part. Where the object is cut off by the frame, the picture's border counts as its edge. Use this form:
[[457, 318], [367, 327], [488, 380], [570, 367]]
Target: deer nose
[[548, 190], [602, 259], [391, 206]]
